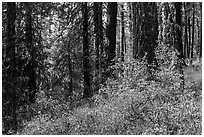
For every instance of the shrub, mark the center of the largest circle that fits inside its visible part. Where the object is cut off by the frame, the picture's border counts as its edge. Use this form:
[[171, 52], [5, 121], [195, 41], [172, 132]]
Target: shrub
[[132, 106]]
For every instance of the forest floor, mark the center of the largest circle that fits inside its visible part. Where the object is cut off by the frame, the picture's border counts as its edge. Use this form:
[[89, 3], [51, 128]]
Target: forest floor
[[149, 108], [193, 73]]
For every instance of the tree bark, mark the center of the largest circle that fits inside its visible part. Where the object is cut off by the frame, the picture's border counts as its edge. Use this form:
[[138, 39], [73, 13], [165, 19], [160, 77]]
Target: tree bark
[[86, 66], [149, 33], [98, 30], [186, 33], [168, 21], [130, 29], [178, 7], [136, 22], [111, 37], [160, 23], [70, 73], [189, 36], [10, 96], [111, 31], [192, 44], [122, 34], [200, 32], [100, 33], [97, 48], [31, 65]]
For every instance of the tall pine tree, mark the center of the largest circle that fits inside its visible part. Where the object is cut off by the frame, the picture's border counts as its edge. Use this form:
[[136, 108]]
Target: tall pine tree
[[86, 66]]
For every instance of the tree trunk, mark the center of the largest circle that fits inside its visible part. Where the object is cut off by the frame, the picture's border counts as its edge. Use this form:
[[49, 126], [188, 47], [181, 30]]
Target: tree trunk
[[149, 33], [178, 7], [166, 23], [198, 36], [193, 24], [186, 33], [111, 37], [160, 23], [111, 31], [134, 28], [9, 109], [31, 65], [131, 29], [86, 66], [189, 36], [70, 73], [122, 34], [136, 23], [97, 40], [98, 30], [100, 33], [200, 32]]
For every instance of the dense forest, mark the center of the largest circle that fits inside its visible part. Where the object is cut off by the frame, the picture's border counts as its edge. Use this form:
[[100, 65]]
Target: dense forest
[[102, 68]]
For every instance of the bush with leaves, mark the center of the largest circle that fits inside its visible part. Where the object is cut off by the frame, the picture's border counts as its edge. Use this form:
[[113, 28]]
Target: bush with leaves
[[134, 106]]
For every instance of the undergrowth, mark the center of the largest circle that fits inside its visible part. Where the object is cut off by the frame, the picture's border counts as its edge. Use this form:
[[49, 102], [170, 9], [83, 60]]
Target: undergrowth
[[134, 106]]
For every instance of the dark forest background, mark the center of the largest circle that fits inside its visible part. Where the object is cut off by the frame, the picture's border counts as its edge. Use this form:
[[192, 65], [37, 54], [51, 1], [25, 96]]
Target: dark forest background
[[102, 68]]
